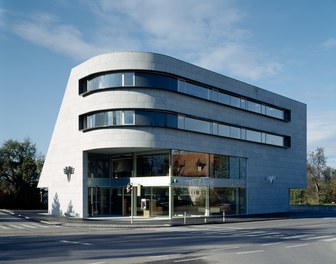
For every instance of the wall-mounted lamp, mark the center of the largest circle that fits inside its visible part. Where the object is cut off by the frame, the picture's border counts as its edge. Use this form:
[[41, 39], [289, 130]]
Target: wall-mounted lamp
[[271, 179], [68, 170]]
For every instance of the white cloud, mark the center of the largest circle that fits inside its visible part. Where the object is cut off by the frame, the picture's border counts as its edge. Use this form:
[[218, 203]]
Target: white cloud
[[329, 43], [2, 17], [240, 61], [207, 33], [172, 25], [321, 128], [45, 30]]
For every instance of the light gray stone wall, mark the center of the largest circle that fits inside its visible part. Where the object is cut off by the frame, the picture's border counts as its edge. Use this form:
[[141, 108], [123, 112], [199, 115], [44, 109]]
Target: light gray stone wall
[[67, 145]]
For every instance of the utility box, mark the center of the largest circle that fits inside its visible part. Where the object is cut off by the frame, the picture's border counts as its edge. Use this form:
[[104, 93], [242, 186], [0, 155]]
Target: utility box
[[145, 206]]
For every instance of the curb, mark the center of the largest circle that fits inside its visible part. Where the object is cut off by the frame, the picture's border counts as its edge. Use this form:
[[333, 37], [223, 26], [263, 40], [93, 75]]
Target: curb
[[115, 225], [67, 224], [9, 212]]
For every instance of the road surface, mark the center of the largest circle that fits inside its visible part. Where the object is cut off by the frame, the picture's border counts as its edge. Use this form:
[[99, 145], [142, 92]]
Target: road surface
[[306, 240]]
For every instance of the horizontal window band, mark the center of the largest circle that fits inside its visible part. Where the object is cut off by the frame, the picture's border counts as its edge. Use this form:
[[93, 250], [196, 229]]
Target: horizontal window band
[[155, 80], [149, 118]]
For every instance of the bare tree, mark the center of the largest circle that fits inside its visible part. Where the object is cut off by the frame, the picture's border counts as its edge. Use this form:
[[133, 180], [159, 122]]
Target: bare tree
[[316, 165]]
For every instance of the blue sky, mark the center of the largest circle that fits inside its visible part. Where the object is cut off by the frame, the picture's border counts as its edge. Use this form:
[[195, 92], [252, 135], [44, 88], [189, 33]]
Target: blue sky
[[287, 47]]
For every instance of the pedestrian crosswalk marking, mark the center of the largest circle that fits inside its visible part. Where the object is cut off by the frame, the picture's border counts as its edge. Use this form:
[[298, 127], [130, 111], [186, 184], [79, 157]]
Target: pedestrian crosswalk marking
[[29, 226], [316, 237], [25, 226], [329, 239], [43, 226], [16, 226]]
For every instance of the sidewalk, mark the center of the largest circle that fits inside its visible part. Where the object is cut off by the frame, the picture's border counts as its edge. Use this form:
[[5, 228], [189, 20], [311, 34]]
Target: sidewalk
[[141, 222]]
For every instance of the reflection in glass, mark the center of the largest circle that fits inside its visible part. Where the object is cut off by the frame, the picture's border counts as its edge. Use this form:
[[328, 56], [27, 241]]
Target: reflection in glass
[[195, 164], [99, 119], [189, 200], [154, 80], [213, 95], [224, 98], [234, 168], [153, 165], [254, 107], [197, 125], [235, 101], [181, 86], [122, 167], [192, 200], [273, 112], [149, 118], [235, 132], [224, 130], [110, 118], [158, 201], [197, 91], [104, 81], [128, 117], [128, 79], [145, 79], [242, 103], [220, 166], [228, 200], [274, 140], [242, 168], [253, 136], [113, 80], [161, 119], [98, 166], [110, 115], [190, 164]]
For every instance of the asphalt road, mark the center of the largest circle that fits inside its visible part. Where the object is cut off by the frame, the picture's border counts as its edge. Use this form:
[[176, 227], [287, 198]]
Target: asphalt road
[[303, 240]]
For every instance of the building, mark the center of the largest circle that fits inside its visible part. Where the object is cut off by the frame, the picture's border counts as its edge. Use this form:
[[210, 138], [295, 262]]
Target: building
[[187, 140]]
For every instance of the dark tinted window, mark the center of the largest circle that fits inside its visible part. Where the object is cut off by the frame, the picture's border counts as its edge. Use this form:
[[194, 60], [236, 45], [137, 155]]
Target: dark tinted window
[[156, 81]]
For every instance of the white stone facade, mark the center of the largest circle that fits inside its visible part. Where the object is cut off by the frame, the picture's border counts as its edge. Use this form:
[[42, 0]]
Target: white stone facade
[[271, 170]]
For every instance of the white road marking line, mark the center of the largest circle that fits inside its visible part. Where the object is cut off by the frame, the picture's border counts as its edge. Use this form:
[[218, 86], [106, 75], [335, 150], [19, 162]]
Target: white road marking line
[[187, 260], [294, 237], [272, 234], [271, 244], [315, 238], [38, 225], [64, 241], [298, 245], [160, 256], [75, 242], [279, 235], [4, 227], [234, 228], [249, 252], [224, 248], [16, 226], [29, 226], [329, 239], [257, 233]]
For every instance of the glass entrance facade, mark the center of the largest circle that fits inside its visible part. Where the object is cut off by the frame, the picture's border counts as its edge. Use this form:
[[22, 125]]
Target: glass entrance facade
[[169, 183]]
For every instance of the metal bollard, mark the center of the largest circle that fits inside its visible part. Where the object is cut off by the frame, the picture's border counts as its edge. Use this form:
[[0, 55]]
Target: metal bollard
[[223, 216], [185, 218]]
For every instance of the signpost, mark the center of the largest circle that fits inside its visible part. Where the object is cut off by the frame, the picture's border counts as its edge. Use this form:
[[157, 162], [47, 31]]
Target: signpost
[[129, 188]]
